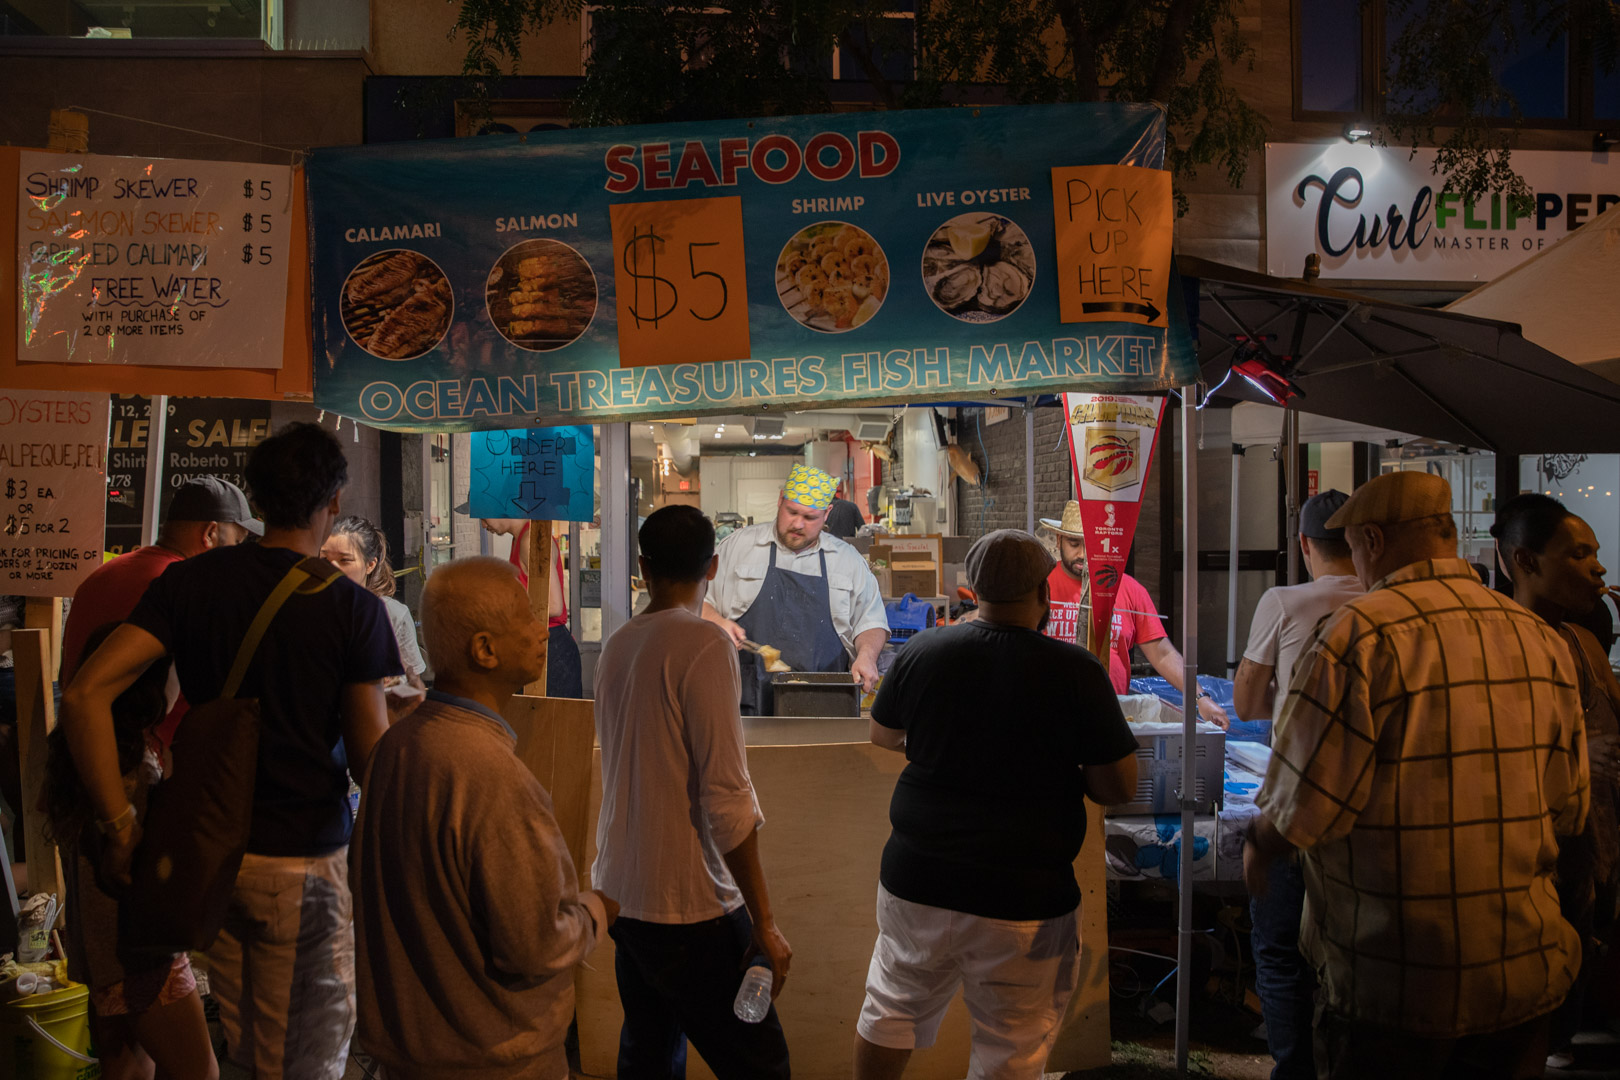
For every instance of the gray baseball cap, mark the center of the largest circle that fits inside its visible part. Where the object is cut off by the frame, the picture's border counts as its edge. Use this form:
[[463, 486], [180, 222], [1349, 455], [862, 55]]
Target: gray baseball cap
[[1313, 516], [208, 498], [1007, 565]]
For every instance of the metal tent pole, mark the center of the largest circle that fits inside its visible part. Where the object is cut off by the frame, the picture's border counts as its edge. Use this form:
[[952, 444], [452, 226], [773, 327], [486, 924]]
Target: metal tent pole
[[157, 428], [1029, 464], [618, 523], [1232, 566], [1291, 496], [1189, 714]]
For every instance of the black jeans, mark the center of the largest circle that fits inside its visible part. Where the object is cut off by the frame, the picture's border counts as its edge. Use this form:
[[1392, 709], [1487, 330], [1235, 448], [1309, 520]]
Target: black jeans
[[1283, 980], [1349, 1049], [678, 982]]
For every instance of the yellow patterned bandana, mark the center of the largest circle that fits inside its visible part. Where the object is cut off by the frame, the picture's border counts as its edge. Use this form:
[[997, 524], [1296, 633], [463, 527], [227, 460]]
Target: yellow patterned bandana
[[809, 486]]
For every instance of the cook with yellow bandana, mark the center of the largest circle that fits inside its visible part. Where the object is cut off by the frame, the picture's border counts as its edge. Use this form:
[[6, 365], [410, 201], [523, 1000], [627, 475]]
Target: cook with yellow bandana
[[789, 585]]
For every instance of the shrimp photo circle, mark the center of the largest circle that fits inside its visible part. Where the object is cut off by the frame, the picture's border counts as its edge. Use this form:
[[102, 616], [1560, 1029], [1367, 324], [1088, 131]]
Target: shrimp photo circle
[[978, 267], [397, 304], [541, 295], [832, 276]]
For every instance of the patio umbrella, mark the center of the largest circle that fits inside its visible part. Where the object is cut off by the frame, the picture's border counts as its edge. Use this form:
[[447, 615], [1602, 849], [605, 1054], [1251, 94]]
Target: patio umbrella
[[1460, 378], [1564, 297]]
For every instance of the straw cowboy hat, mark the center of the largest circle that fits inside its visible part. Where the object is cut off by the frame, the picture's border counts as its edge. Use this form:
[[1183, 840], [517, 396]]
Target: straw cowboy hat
[[1070, 525]]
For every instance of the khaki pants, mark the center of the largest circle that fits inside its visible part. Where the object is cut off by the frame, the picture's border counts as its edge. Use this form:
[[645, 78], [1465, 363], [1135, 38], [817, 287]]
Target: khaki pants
[[282, 970]]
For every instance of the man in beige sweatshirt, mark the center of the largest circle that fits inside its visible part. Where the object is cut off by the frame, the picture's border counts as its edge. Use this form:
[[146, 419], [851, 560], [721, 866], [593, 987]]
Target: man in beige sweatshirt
[[468, 916]]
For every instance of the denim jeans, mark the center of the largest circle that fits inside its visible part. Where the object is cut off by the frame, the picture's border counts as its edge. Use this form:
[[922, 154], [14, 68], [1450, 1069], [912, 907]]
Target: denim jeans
[[1282, 978], [1353, 1050], [678, 981]]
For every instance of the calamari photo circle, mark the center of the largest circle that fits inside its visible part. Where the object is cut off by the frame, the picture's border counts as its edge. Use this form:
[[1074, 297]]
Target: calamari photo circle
[[832, 276], [978, 267], [397, 304]]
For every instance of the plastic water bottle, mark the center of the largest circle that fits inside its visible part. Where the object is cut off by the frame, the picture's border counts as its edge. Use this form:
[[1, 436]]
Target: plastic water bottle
[[754, 995]]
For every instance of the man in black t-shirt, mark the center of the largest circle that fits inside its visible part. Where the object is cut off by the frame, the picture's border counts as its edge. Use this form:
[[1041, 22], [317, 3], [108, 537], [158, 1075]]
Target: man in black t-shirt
[[282, 969], [1005, 732]]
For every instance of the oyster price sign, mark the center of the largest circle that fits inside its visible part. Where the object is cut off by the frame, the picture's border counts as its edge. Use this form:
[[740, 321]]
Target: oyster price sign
[[601, 275], [1114, 226], [159, 261], [53, 489]]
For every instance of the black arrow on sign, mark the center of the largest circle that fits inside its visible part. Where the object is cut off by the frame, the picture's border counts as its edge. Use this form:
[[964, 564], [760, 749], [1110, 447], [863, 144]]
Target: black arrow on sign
[[528, 499], [1149, 309]]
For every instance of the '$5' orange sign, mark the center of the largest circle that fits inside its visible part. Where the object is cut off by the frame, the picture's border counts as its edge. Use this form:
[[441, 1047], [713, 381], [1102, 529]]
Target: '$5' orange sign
[[681, 295]]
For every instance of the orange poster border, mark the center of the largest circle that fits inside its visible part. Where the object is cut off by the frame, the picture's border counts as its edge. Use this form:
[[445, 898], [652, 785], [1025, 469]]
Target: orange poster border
[[294, 380]]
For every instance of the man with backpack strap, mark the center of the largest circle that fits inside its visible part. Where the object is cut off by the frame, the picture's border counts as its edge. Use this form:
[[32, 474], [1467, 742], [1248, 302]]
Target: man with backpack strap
[[282, 967]]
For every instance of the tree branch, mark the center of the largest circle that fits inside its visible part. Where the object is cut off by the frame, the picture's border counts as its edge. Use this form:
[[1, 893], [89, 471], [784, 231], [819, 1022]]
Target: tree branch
[[1081, 48], [863, 54], [1172, 57]]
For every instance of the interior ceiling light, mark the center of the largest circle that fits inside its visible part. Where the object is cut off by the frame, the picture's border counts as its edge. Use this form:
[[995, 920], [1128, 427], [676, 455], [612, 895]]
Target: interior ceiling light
[[1355, 132]]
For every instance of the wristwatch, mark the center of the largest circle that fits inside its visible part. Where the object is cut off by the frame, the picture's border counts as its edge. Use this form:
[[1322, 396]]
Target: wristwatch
[[1202, 694]]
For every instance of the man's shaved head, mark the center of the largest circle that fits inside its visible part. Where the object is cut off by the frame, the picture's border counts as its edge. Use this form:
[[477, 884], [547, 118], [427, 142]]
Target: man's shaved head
[[464, 598]]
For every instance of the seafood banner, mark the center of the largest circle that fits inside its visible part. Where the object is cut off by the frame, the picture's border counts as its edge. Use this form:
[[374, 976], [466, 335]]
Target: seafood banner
[[159, 261], [599, 275], [1111, 443]]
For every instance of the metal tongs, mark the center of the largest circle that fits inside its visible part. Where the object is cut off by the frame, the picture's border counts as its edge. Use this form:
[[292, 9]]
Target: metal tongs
[[758, 649]]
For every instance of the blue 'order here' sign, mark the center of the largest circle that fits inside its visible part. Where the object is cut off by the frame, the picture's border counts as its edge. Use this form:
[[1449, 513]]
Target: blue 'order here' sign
[[545, 474]]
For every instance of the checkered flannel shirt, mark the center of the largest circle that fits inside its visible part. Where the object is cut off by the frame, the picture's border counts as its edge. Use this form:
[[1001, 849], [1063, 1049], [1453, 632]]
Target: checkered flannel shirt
[[1431, 745]]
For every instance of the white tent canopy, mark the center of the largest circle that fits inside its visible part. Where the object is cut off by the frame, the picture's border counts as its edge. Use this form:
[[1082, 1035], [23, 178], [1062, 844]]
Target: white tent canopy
[[1564, 298], [1254, 424]]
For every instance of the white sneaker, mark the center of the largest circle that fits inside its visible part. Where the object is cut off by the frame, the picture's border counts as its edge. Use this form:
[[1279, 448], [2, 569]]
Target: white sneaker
[[1561, 1059]]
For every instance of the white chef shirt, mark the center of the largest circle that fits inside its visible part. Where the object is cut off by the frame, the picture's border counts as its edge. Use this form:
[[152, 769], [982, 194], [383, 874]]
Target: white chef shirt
[[1284, 619], [745, 556]]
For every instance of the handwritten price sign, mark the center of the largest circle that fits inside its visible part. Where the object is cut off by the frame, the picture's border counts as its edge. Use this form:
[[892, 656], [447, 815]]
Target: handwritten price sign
[[1113, 243], [679, 275]]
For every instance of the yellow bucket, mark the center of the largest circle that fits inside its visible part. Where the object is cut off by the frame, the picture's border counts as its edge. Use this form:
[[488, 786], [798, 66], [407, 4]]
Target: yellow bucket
[[47, 1037]]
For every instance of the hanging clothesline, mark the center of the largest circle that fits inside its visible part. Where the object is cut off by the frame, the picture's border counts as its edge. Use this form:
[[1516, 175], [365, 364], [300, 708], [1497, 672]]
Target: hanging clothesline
[[296, 153]]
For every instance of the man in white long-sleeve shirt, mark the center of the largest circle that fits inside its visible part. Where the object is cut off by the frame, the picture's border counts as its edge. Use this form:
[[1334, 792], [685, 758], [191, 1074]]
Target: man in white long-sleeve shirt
[[468, 916], [676, 842]]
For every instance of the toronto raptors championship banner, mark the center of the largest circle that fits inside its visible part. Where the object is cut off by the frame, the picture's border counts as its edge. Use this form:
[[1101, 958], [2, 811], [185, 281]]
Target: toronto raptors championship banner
[[1111, 440]]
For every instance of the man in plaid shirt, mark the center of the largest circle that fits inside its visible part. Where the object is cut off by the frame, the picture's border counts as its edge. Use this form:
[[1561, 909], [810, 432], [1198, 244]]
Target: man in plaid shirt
[[1430, 748]]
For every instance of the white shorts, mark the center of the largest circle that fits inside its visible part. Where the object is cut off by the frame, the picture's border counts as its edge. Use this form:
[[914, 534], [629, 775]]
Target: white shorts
[[1016, 978]]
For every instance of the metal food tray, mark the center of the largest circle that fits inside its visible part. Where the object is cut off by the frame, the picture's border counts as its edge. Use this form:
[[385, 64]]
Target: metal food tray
[[816, 693]]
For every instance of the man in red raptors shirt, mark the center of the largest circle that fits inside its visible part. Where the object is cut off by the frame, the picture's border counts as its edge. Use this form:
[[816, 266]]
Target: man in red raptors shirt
[[1136, 620]]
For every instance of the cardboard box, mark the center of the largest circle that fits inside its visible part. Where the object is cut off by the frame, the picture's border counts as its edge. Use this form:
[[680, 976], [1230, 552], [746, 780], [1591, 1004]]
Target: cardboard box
[[907, 564]]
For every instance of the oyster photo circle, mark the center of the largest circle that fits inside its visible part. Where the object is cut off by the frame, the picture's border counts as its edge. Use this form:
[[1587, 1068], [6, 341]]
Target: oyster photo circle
[[541, 295], [978, 267], [832, 276], [396, 304]]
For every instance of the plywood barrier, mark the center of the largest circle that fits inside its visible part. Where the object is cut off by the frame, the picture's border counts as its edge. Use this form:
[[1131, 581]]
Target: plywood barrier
[[36, 717], [555, 737], [827, 818]]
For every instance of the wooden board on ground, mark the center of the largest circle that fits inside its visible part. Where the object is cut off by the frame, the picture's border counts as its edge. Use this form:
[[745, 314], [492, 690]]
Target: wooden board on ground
[[827, 819], [538, 559], [1083, 1042], [36, 716], [555, 737]]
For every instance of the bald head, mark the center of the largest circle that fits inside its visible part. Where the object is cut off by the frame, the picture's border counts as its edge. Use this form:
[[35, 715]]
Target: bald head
[[477, 624]]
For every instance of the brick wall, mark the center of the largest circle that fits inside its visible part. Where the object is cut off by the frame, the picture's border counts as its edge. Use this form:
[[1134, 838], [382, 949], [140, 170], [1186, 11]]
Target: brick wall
[[1003, 448], [998, 450]]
